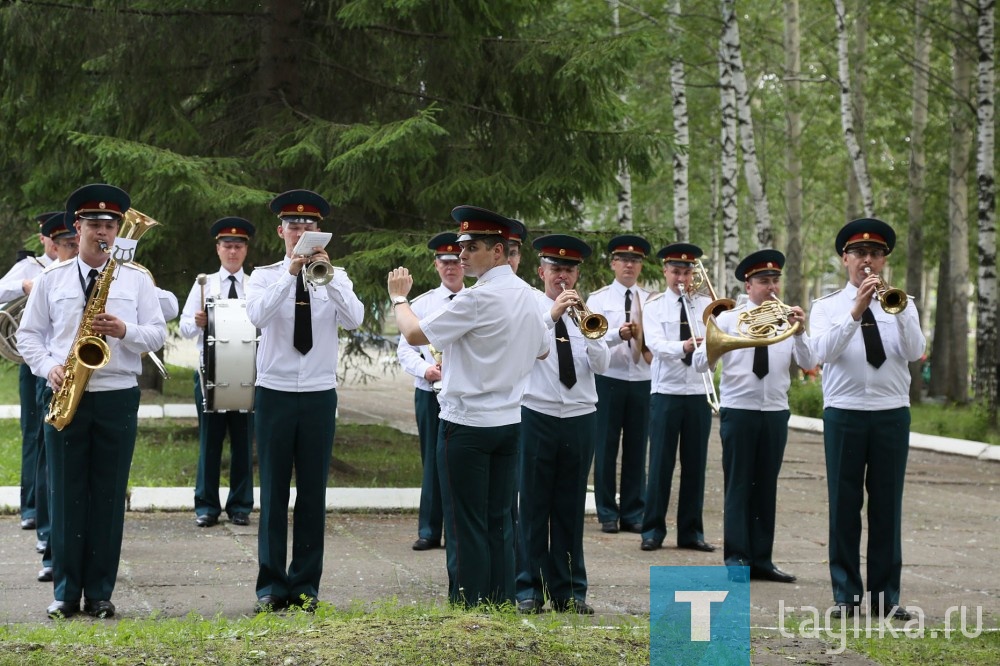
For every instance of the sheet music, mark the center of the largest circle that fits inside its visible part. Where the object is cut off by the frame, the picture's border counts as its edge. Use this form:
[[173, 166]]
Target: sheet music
[[311, 239]]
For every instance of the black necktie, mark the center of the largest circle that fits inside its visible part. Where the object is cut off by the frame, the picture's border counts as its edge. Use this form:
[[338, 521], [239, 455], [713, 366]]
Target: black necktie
[[302, 337], [92, 275], [628, 309], [874, 351], [685, 330], [760, 362], [567, 372], [232, 287]]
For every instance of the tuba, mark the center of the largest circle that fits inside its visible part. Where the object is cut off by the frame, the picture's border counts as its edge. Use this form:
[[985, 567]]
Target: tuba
[[10, 318], [89, 352], [592, 324], [892, 300], [761, 326]]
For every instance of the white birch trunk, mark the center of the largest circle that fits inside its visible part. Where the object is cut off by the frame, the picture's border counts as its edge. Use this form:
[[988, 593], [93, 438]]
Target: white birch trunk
[[678, 93], [854, 151], [915, 273], [959, 158], [986, 278], [730, 172], [794, 268], [732, 52], [624, 177]]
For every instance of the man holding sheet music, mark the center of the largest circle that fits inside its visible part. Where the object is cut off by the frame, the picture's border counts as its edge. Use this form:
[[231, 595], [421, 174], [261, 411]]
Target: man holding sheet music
[[296, 398]]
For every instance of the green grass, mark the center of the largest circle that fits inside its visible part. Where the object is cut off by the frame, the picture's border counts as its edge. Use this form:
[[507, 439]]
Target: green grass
[[387, 633], [166, 455], [982, 650]]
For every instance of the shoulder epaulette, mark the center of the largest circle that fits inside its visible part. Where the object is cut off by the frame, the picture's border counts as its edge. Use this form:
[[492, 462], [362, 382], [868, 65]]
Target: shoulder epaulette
[[422, 295], [833, 293], [654, 297], [274, 265], [597, 291], [57, 264]]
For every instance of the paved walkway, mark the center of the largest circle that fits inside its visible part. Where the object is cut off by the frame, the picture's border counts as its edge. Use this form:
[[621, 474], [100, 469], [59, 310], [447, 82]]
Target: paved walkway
[[169, 567]]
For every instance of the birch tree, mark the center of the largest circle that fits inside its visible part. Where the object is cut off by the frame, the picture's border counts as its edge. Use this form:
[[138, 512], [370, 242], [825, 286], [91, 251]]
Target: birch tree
[[678, 95], [731, 51], [854, 150], [986, 278], [794, 269], [917, 177], [729, 171], [624, 175], [957, 384]]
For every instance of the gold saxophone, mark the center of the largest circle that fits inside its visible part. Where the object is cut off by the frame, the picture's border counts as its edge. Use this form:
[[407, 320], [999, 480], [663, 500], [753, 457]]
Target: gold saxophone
[[90, 352]]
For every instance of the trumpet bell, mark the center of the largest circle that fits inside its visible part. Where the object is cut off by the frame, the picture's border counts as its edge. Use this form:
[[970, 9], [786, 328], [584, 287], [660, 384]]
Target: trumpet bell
[[893, 300], [319, 272], [594, 326]]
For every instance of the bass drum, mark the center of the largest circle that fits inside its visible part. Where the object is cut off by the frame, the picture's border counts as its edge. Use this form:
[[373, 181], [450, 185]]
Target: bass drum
[[229, 358]]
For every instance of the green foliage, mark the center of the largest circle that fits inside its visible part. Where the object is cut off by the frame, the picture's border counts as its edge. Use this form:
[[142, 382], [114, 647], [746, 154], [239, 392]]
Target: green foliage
[[805, 398]]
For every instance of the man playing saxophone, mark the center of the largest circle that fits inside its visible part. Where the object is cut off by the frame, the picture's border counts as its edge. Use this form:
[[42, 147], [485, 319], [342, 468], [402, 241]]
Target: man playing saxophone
[[89, 458], [753, 414]]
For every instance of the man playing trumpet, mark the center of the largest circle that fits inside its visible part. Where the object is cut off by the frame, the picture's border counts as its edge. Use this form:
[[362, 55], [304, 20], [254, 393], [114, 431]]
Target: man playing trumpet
[[753, 414], [866, 417]]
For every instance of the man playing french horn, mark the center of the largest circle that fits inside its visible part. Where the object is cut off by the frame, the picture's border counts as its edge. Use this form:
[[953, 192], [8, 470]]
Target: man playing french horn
[[89, 455], [760, 338]]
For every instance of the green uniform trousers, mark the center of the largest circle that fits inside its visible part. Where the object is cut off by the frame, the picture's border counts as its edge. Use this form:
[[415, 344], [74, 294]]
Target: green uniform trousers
[[212, 428], [89, 462], [476, 466], [622, 416], [753, 445], [684, 420], [431, 515], [32, 440], [866, 451], [555, 465], [294, 430]]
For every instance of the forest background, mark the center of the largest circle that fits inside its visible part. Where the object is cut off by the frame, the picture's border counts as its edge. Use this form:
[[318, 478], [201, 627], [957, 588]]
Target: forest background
[[735, 125]]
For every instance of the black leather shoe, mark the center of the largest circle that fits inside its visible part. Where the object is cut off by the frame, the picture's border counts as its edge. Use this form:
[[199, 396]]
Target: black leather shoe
[[40, 546], [634, 528], [28, 524], [305, 602], [843, 611], [269, 604], [698, 545], [61, 610], [610, 527], [529, 606], [45, 575], [572, 606], [240, 518], [775, 574], [897, 613], [650, 544], [206, 521], [100, 609], [426, 544]]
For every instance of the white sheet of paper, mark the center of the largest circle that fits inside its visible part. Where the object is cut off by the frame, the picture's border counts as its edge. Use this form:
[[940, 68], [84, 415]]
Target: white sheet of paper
[[311, 239]]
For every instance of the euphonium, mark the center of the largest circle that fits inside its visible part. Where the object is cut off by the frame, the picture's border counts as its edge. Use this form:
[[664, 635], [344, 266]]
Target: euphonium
[[89, 352], [10, 318], [892, 300], [761, 326], [591, 324]]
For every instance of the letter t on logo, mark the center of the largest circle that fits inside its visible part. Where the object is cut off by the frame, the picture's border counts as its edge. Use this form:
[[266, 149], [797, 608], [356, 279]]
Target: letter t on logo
[[701, 610]]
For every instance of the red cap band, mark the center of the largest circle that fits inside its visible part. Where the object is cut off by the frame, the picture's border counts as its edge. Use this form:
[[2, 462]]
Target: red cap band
[[560, 253], [482, 227]]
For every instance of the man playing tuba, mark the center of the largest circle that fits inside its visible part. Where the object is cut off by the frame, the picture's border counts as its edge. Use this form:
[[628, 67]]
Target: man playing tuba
[[753, 414]]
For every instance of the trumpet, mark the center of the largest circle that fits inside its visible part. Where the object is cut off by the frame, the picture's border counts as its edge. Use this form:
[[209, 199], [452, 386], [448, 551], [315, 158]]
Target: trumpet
[[761, 326], [591, 324], [318, 272], [891, 299], [707, 377]]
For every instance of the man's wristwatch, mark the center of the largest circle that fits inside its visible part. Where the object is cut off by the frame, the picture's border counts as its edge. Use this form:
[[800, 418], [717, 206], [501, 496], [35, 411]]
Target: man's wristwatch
[[396, 300]]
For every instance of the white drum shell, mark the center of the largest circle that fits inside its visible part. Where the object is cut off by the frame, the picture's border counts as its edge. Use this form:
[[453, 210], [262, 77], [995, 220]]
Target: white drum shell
[[229, 367]]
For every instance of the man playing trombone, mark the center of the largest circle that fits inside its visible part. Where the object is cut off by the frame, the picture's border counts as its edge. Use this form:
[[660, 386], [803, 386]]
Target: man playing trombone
[[865, 347], [763, 335], [678, 410]]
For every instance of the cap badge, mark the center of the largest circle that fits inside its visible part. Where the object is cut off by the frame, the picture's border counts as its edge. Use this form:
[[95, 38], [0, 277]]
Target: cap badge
[[866, 235], [465, 225], [102, 205], [631, 248], [562, 252], [300, 208], [683, 256], [770, 264]]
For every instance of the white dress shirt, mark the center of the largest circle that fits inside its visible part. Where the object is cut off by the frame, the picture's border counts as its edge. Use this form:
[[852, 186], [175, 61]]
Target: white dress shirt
[[270, 294], [217, 287], [545, 393], [849, 381], [415, 360], [661, 326], [490, 335], [610, 302], [55, 307], [739, 387], [12, 284]]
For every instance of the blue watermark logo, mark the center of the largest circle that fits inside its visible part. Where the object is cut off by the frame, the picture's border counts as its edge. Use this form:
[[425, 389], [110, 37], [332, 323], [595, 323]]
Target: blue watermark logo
[[699, 615]]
